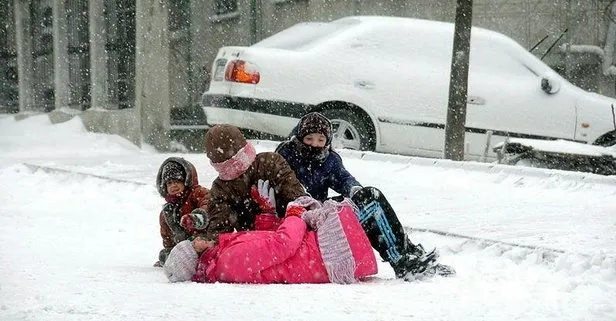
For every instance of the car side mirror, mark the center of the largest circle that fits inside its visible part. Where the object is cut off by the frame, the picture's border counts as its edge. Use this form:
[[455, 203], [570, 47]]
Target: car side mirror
[[550, 85]]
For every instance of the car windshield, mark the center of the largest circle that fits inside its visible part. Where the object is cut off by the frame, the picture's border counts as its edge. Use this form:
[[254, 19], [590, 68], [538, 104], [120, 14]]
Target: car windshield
[[304, 36]]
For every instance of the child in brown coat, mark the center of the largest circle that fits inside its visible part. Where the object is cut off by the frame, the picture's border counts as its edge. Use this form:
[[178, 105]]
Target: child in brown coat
[[231, 205], [183, 215]]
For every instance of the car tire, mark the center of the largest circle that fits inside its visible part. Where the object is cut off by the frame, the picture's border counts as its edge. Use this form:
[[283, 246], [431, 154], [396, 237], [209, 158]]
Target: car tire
[[350, 130], [607, 140]]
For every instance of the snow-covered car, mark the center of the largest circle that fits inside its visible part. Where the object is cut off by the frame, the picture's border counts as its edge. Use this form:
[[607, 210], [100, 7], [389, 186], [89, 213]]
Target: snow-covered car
[[384, 83]]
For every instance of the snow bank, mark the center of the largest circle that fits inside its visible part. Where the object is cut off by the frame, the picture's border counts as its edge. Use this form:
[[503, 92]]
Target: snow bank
[[75, 247], [502, 173], [36, 136]]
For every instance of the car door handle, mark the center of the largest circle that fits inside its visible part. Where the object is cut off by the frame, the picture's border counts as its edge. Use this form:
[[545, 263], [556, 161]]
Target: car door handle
[[475, 100], [364, 84]]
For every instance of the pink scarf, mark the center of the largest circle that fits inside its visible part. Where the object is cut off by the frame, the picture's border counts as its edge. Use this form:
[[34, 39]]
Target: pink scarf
[[237, 165]]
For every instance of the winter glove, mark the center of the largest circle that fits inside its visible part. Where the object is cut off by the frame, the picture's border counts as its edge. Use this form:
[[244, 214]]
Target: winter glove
[[300, 205], [171, 213], [294, 210], [317, 217], [170, 210], [264, 196], [195, 221]]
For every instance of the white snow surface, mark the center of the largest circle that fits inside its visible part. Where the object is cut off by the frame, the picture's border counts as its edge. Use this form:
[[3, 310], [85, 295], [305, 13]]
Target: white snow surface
[[78, 243]]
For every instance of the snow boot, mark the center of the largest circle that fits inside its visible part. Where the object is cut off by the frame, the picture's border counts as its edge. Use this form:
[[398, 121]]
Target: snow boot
[[417, 264]]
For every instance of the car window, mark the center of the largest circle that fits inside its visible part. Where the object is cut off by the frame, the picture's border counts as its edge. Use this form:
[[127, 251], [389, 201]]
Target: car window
[[488, 57], [399, 42], [304, 36], [433, 47]]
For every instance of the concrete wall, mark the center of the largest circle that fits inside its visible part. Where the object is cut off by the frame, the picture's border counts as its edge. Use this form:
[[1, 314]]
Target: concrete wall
[[123, 122], [25, 60], [152, 80]]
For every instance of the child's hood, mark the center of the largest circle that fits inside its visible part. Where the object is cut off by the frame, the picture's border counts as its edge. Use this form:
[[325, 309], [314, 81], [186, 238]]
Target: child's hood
[[192, 178]]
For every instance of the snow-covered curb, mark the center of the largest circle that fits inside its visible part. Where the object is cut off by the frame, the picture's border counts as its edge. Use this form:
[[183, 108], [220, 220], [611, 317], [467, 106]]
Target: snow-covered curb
[[466, 165]]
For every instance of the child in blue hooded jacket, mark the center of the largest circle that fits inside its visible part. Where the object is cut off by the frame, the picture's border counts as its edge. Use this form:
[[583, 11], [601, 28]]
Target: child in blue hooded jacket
[[319, 168]]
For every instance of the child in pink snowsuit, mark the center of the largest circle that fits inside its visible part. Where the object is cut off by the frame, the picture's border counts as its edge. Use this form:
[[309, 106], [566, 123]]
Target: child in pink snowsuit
[[320, 245]]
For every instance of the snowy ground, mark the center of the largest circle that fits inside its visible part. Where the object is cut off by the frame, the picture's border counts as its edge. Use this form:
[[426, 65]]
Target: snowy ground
[[74, 246]]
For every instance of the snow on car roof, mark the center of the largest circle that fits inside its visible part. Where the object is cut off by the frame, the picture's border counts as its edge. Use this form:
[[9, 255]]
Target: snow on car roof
[[292, 37], [303, 36], [309, 35]]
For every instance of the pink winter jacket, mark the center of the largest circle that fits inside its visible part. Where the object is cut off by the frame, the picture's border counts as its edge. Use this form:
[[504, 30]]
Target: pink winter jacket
[[290, 254]]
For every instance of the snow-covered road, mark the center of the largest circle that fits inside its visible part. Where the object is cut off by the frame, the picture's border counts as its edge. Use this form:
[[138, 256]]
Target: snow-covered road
[[80, 247]]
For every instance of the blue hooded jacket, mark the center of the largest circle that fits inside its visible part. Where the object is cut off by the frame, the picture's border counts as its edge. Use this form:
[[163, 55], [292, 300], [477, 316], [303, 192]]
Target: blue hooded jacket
[[317, 174]]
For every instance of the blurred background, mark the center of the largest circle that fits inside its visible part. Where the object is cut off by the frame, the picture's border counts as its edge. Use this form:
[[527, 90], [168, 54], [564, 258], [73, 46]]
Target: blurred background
[[137, 68]]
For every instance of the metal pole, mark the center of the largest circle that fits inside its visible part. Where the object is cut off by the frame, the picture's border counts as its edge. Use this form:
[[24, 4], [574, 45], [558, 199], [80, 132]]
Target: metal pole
[[568, 39], [60, 55], [458, 82], [253, 21], [25, 60]]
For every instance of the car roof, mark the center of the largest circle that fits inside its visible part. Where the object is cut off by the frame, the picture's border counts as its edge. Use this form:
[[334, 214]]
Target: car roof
[[292, 37], [315, 35], [431, 27], [441, 31]]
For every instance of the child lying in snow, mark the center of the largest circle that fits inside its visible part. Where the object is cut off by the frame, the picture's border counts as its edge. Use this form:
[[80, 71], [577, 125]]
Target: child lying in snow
[[314, 244]]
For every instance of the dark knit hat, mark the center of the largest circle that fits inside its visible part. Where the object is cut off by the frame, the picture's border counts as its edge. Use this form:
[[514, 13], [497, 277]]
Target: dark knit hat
[[173, 170], [313, 123], [222, 142]]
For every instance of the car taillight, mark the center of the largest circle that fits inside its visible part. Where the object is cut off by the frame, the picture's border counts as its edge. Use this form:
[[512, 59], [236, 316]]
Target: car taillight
[[242, 71]]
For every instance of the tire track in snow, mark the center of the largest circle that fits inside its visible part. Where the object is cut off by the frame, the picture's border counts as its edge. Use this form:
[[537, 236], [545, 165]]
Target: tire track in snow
[[55, 170], [599, 268], [484, 242]]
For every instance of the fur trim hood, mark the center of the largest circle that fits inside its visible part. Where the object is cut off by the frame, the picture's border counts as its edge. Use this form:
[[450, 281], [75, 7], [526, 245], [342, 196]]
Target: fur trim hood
[[189, 168]]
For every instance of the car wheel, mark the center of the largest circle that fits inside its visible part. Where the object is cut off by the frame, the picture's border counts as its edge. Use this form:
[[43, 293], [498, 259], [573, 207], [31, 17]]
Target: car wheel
[[607, 140], [350, 130]]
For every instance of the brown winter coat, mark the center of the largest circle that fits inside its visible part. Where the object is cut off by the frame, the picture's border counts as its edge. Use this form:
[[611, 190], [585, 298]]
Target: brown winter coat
[[195, 196], [231, 206]]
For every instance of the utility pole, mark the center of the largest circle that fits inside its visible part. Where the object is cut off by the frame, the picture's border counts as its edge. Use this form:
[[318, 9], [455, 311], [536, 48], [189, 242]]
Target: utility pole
[[254, 13], [458, 82], [568, 39]]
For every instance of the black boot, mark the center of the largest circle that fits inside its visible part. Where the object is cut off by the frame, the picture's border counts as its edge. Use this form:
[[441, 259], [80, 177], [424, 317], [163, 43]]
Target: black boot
[[162, 257], [417, 264]]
